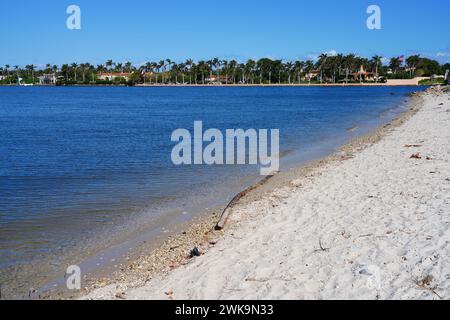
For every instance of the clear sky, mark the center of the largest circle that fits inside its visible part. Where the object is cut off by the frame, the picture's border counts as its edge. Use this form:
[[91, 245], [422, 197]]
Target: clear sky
[[142, 30]]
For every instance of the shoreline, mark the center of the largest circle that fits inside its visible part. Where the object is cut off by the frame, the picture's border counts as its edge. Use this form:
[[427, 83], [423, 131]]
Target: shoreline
[[201, 234], [394, 84]]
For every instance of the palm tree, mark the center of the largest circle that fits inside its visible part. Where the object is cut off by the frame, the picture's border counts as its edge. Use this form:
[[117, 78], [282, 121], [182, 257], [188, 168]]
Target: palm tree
[[109, 65], [233, 64], [55, 72], [338, 61], [412, 63], [175, 69], [31, 68], [119, 67], [210, 64], [395, 64], [161, 66], [91, 69], [298, 69], [157, 68], [289, 67], [148, 67], [240, 68], [154, 67], [74, 66], [309, 66], [280, 66], [216, 64], [225, 69], [65, 71], [251, 69], [376, 61], [16, 68], [101, 68], [7, 72], [195, 69], [320, 62], [189, 64], [169, 64], [265, 67], [349, 65], [85, 67], [182, 69], [128, 66], [203, 67]]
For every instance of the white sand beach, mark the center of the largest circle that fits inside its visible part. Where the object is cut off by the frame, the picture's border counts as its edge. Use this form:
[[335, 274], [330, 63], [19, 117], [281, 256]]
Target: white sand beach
[[373, 225]]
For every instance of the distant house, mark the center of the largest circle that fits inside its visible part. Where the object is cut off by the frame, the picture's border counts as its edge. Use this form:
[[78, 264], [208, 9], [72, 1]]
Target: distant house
[[313, 74], [363, 75], [47, 79], [147, 75], [410, 69], [217, 79], [111, 76]]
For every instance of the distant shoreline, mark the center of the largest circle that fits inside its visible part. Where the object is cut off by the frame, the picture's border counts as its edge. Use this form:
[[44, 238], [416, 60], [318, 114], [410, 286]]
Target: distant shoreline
[[399, 84]]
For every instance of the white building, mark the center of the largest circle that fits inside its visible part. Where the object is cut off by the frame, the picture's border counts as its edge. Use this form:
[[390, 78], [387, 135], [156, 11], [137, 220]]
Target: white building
[[113, 75], [47, 79]]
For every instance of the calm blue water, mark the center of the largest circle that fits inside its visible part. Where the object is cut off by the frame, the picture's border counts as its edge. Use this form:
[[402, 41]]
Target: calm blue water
[[76, 163]]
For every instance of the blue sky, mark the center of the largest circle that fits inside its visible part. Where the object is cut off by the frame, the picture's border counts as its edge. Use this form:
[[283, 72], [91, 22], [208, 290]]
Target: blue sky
[[143, 30]]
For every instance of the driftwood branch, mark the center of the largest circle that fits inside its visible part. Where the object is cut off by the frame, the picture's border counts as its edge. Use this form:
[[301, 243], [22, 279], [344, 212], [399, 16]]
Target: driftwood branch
[[227, 211], [322, 248]]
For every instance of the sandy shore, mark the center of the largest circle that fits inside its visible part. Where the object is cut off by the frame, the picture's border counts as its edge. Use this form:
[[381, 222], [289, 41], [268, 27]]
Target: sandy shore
[[371, 222]]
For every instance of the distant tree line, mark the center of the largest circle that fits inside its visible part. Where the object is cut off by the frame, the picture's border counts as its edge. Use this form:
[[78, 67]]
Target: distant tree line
[[325, 69]]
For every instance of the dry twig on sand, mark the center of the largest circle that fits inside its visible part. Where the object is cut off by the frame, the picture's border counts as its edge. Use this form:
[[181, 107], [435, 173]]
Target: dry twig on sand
[[322, 248], [413, 145], [425, 284], [227, 211]]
